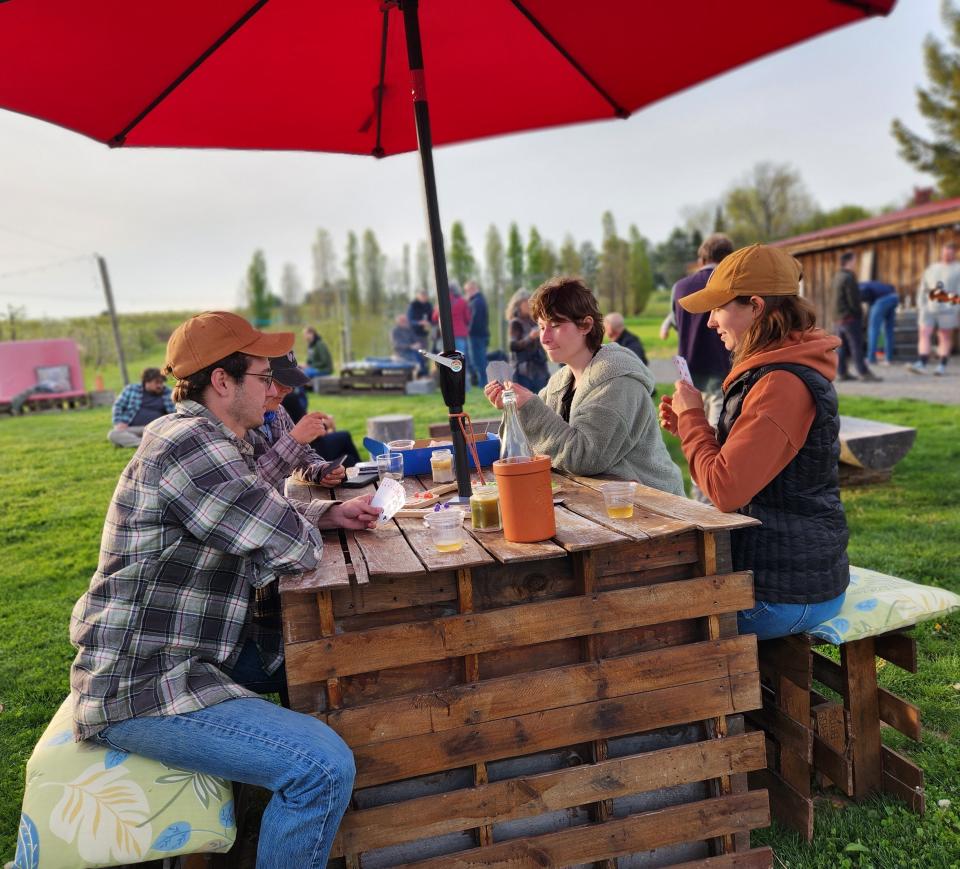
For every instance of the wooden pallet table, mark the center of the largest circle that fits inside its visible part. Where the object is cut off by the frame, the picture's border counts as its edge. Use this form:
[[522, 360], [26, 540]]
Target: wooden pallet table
[[575, 701]]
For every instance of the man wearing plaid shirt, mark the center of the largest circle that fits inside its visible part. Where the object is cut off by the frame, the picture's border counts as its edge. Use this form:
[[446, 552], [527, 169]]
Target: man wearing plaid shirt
[[167, 648], [138, 405]]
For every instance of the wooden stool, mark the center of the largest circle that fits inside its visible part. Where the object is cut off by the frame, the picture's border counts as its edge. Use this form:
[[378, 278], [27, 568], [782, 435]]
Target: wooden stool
[[838, 741]]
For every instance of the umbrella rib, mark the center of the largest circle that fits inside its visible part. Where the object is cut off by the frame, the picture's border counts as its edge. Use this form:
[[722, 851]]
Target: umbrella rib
[[378, 148], [119, 139], [618, 110]]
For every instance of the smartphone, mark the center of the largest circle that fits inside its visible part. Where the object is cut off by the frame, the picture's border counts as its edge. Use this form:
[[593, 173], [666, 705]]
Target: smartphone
[[336, 463], [358, 482], [683, 370]]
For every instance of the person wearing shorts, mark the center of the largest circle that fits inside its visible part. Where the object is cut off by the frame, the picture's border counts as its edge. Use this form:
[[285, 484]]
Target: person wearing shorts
[[941, 317]]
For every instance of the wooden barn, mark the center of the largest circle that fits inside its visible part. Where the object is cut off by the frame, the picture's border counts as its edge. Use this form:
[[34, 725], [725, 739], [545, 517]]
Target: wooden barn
[[894, 248]]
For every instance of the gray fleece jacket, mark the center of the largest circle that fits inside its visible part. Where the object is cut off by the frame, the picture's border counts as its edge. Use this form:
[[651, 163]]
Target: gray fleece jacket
[[613, 425]]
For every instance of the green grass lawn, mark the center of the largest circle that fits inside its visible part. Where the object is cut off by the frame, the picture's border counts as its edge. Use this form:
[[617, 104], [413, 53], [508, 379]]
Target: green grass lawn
[[58, 472]]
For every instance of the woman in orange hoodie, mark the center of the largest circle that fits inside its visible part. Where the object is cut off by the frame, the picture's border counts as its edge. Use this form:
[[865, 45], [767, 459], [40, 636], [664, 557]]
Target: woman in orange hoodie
[[775, 451]]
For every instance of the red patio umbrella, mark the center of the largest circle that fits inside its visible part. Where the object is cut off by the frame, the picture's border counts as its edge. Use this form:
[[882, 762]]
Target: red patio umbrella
[[338, 75]]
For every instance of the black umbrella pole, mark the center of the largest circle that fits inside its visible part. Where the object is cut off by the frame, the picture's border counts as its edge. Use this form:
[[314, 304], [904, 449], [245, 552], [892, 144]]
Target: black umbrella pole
[[453, 383]]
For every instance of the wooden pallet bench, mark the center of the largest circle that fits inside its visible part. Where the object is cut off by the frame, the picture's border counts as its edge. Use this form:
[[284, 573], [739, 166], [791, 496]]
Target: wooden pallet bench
[[573, 701], [869, 450], [812, 739], [480, 426]]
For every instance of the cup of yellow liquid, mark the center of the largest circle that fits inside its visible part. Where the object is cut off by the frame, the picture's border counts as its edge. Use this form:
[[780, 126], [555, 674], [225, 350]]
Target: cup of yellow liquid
[[446, 529], [618, 498]]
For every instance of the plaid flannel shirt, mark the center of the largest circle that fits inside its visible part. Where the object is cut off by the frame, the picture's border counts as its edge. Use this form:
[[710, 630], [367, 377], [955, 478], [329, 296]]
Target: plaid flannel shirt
[[131, 398], [190, 530], [278, 455]]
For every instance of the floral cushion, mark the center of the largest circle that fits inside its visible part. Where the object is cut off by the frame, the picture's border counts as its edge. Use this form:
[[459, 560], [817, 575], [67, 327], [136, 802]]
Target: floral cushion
[[86, 805], [877, 603]]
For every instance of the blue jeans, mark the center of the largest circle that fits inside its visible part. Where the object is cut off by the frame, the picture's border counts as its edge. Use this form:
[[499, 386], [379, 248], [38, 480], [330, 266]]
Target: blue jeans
[[883, 315], [769, 620], [478, 359], [307, 766]]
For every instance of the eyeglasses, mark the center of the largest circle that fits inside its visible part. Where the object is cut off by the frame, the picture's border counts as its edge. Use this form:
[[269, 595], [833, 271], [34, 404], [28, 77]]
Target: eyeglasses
[[266, 378]]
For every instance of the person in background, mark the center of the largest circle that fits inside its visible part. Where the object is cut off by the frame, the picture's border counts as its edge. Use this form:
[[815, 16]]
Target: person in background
[[774, 454], [523, 337], [460, 313], [882, 300], [138, 405], [849, 317], [406, 344], [707, 359], [479, 332], [616, 330], [169, 658], [319, 360], [328, 445], [420, 315], [941, 316], [595, 416]]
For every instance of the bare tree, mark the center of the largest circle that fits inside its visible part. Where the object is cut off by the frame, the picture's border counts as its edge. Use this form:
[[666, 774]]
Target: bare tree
[[291, 293], [769, 203]]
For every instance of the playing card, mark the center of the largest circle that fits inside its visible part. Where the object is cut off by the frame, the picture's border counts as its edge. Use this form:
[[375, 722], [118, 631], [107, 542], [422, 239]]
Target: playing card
[[498, 371], [390, 498], [683, 369]]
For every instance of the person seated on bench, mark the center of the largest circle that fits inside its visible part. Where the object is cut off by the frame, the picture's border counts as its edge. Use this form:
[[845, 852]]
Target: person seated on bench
[[405, 344], [139, 404], [595, 415], [330, 445], [319, 358], [167, 651], [281, 446], [775, 452]]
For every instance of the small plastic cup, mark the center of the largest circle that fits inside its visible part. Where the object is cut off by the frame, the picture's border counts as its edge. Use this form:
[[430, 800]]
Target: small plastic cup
[[618, 497], [397, 446], [353, 472], [390, 465], [446, 530]]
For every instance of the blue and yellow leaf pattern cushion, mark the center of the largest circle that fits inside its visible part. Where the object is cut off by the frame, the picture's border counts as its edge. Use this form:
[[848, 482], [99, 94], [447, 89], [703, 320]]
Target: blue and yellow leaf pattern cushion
[[86, 805], [877, 603]]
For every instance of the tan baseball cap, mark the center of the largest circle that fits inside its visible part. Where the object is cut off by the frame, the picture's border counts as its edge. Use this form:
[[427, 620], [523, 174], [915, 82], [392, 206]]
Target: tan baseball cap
[[757, 270], [213, 335]]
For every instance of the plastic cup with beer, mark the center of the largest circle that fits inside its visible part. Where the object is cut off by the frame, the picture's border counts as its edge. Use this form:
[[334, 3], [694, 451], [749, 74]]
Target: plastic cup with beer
[[618, 498], [446, 529]]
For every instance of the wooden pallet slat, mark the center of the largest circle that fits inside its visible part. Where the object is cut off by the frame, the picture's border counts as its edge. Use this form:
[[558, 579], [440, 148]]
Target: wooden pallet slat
[[526, 796], [527, 624], [640, 832]]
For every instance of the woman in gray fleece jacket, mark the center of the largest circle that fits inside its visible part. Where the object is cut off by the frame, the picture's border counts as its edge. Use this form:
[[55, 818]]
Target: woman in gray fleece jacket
[[595, 416]]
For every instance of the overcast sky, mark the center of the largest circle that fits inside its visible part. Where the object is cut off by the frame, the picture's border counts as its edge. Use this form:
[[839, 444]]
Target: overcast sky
[[178, 228]]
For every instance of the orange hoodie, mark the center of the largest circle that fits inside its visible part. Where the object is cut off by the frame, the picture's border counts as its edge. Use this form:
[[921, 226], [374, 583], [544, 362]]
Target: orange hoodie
[[772, 427]]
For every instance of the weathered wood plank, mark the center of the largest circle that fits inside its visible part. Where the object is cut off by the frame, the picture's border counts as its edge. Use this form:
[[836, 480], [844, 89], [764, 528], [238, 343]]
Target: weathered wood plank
[[436, 711], [634, 557], [898, 649], [523, 797], [788, 806], [789, 734], [701, 516], [399, 681], [641, 832], [526, 624], [575, 533], [755, 858], [330, 573], [788, 657], [507, 552], [358, 563], [538, 731], [873, 445], [502, 585], [643, 525], [418, 536], [387, 552], [395, 592], [859, 668], [898, 713]]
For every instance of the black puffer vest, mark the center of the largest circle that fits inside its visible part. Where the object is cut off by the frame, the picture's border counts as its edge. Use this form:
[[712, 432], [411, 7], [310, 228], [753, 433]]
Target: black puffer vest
[[799, 554]]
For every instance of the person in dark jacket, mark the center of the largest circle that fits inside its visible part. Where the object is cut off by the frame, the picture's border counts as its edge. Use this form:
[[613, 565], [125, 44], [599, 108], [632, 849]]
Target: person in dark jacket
[[479, 334], [420, 316], [849, 316], [616, 330], [775, 453]]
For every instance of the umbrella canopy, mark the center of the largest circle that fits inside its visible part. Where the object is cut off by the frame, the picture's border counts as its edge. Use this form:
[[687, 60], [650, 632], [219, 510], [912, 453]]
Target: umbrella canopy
[[306, 75]]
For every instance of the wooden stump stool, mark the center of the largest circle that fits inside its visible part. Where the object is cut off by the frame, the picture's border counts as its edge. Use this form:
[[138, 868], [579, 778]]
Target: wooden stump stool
[[390, 427]]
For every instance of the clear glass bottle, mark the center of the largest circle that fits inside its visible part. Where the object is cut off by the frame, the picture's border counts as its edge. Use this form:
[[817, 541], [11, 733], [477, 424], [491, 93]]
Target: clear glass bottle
[[514, 447]]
